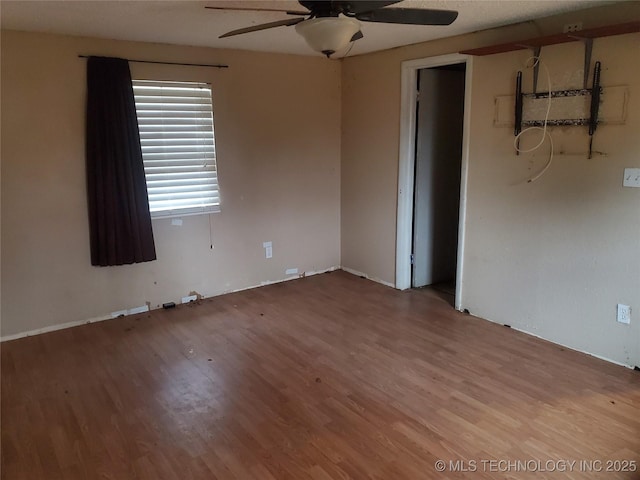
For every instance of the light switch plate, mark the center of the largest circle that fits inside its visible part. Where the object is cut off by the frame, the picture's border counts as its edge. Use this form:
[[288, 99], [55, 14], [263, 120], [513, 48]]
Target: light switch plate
[[631, 177]]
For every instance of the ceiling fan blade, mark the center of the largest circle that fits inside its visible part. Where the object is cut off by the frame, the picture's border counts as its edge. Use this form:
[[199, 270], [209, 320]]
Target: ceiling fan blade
[[357, 36], [246, 9], [264, 26], [368, 5], [410, 16]]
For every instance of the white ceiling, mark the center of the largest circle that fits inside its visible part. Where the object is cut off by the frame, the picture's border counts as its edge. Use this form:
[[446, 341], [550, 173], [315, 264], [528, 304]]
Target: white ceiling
[[189, 23]]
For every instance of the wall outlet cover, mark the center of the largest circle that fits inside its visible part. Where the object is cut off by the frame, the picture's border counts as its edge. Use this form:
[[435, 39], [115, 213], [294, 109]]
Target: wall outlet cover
[[572, 27], [623, 314]]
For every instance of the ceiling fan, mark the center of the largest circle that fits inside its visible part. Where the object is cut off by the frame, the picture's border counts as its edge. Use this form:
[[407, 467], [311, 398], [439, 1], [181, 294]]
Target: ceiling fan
[[329, 25]]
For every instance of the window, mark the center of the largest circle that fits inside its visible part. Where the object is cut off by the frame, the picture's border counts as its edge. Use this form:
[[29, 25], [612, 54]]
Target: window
[[175, 120]]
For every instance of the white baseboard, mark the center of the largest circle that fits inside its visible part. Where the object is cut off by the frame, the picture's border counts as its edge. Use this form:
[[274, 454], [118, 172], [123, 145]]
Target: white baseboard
[[373, 279], [272, 282], [526, 332], [599, 357], [53, 328], [61, 326]]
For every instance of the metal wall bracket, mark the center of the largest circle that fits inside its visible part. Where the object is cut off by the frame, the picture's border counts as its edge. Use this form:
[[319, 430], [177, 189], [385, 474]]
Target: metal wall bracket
[[536, 66], [596, 90], [518, 123], [588, 49]]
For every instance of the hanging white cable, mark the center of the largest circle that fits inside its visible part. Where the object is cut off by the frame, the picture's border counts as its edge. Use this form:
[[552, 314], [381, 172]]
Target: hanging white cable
[[546, 167], [545, 134]]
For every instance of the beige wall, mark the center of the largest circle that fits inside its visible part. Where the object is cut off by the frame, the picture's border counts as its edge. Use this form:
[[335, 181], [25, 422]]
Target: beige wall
[[277, 120], [552, 258]]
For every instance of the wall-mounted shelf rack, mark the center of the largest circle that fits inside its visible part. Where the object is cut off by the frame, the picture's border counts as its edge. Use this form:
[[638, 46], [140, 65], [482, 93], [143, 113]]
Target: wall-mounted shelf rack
[[535, 45], [590, 33]]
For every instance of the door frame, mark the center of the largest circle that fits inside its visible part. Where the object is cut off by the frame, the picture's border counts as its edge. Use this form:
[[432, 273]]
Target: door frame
[[406, 166]]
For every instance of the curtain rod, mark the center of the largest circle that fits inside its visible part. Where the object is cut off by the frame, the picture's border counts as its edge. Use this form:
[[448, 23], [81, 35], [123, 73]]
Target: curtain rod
[[169, 63]]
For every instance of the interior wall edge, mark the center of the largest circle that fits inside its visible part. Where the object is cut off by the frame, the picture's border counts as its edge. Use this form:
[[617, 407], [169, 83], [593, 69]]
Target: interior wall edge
[[367, 277]]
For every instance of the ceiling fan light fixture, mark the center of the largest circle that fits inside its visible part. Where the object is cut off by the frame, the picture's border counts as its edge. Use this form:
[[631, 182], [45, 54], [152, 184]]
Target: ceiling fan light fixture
[[328, 34]]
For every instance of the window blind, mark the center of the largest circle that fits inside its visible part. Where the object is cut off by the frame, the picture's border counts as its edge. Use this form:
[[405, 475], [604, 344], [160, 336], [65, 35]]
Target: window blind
[[175, 120]]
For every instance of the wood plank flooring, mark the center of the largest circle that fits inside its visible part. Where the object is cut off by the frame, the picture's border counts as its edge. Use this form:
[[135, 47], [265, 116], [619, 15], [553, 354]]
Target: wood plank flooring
[[326, 377]]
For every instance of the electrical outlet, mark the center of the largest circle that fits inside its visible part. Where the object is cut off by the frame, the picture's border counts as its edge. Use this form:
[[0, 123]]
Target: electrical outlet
[[623, 314], [572, 27]]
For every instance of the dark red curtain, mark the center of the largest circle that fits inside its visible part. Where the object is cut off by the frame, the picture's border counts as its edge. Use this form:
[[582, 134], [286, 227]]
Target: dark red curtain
[[119, 219]]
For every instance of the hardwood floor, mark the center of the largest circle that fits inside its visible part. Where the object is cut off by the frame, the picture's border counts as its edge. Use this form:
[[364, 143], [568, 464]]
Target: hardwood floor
[[327, 377]]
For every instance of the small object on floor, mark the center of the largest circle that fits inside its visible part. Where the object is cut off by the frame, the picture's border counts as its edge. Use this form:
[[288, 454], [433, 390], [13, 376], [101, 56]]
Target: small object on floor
[[168, 305]]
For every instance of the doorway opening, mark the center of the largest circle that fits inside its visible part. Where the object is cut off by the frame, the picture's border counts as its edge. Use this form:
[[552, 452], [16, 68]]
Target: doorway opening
[[437, 170], [432, 174]]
